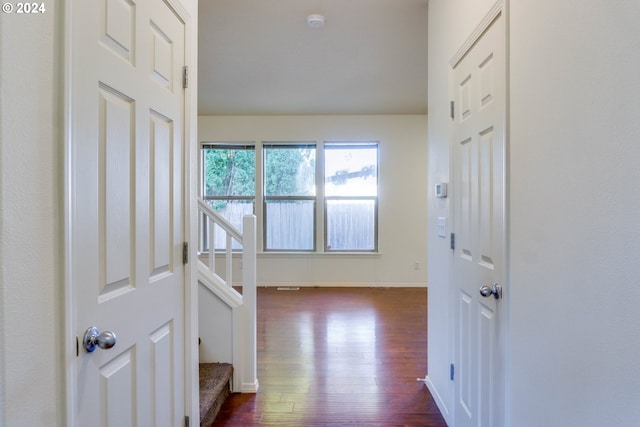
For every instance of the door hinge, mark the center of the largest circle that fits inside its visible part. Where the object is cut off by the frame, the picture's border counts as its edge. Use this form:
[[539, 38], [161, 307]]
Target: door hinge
[[186, 421], [185, 253], [452, 241], [185, 77], [452, 107], [452, 371]]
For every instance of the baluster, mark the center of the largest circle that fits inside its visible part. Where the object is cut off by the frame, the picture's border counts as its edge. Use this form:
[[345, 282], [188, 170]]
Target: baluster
[[212, 245], [229, 259]]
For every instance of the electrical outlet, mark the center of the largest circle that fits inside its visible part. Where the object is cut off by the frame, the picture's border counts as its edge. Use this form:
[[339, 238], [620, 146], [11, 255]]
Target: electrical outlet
[[416, 266]]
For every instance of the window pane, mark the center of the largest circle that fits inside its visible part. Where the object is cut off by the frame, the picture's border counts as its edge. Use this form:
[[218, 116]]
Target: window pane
[[351, 190], [351, 170], [351, 225], [233, 211], [290, 170], [229, 171], [290, 224]]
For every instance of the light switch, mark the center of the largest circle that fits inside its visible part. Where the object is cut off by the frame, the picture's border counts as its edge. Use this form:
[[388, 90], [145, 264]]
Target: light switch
[[442, 226]]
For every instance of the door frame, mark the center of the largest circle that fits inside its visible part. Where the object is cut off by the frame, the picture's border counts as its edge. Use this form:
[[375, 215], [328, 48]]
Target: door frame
[[189, 223], [500, 7]]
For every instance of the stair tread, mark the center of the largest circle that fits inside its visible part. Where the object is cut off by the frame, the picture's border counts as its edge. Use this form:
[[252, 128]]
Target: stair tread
[[214, 377]]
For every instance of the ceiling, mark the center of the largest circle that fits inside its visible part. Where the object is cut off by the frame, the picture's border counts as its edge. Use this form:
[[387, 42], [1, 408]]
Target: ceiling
[[259, 57]]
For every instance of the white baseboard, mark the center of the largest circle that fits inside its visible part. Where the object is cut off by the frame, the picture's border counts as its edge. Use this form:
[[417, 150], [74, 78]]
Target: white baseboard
[[342, 284], [438, 399], [250, 387]]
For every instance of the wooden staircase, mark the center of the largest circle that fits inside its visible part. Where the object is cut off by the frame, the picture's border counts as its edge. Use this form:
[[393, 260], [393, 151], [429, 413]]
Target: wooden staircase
[[215, 386]]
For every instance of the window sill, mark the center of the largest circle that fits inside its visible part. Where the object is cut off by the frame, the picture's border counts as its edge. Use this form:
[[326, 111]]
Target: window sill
[[277, 254]]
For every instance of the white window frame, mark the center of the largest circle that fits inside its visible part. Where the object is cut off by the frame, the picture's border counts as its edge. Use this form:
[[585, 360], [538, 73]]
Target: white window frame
[[319, 199], [203, 247], [266, 198], [375, 199]]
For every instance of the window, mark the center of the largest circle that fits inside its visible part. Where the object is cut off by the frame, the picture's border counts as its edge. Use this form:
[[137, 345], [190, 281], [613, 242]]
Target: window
[[289, 197], [329, 205], [228, 177], [351, 197]]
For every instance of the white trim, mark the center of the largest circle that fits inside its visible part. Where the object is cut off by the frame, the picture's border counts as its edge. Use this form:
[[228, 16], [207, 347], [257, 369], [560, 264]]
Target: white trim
[[343, 284], [486, 22], [218, 287], [312, 254], [250, 387], [301, 254], [190, 226], [70, 338], [437, 398]]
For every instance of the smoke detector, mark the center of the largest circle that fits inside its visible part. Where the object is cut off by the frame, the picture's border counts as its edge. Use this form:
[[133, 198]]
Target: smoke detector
[[315, 21]]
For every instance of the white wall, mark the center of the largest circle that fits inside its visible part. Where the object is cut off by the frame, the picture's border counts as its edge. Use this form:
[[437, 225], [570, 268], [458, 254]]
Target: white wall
[[30, 273], [216, 328], [573, 293], [402, 208], [32, 391], [575, 198]]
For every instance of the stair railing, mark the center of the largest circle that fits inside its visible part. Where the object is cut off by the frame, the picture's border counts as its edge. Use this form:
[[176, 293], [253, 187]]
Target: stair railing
[[209, 220], [244, 336]]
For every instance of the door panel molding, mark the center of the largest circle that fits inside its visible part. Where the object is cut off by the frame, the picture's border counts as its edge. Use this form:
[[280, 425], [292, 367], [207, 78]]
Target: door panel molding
[[128, 227], [497, 9], [478, 77]]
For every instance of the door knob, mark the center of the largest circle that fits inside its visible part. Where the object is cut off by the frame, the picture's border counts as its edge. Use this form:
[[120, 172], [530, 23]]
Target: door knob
[[93, 338], [495, 290]]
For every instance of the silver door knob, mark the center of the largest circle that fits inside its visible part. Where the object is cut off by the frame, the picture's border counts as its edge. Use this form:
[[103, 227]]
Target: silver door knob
[[93, 338], [495, 290]]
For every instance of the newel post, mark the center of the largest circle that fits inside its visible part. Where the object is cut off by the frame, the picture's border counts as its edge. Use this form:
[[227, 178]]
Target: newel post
[[249, 295]]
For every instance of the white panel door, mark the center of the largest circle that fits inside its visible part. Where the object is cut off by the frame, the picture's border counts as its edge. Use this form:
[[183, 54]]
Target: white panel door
[[478, 202], [125, 222]]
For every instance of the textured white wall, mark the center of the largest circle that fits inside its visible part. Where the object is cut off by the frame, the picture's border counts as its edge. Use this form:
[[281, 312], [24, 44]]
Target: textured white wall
[[575, 198], [31, 340], [402, 209], [573, 293]]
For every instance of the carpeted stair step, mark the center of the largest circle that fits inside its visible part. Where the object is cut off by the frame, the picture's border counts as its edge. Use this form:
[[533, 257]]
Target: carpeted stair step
[[214, 388]]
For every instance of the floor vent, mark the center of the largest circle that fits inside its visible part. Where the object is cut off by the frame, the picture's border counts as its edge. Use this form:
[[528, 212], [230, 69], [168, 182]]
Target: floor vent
[[288, 288]]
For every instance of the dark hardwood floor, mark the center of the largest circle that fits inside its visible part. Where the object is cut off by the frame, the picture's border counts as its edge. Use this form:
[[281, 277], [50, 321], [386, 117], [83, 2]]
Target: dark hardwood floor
[[338, 357]]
